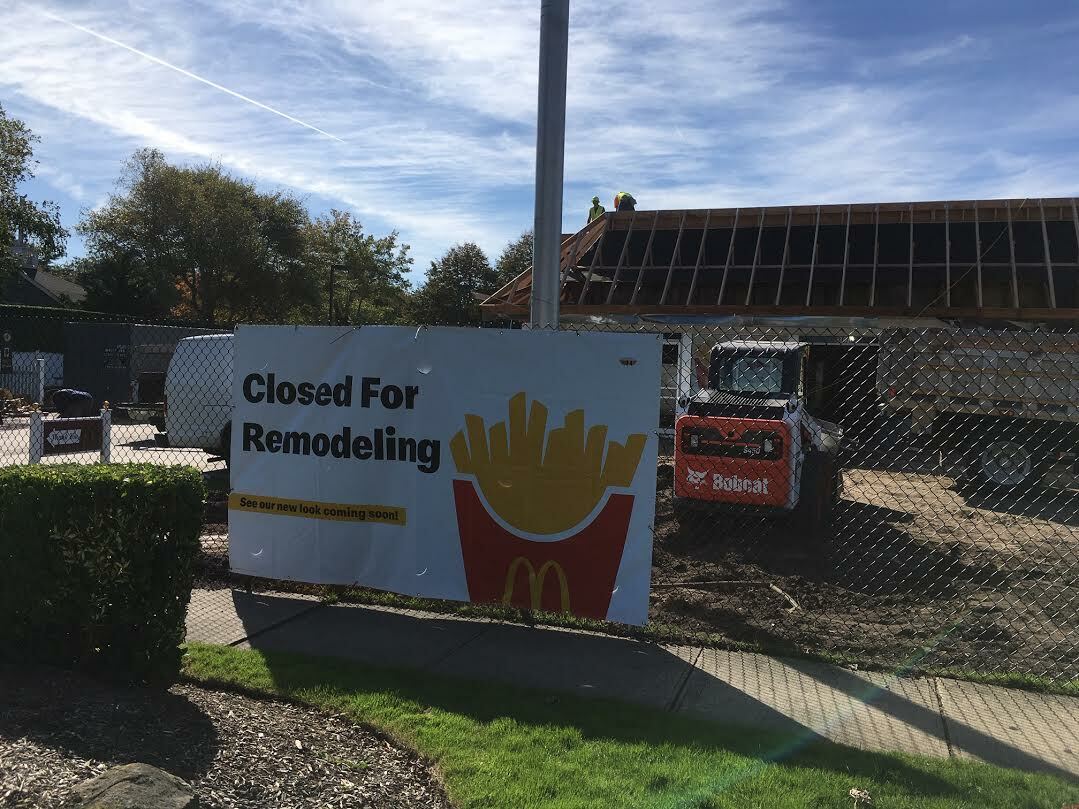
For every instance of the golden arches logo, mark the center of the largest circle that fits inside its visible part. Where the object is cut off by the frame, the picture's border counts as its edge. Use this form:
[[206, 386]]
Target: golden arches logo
[[536, 581], [540, 481]]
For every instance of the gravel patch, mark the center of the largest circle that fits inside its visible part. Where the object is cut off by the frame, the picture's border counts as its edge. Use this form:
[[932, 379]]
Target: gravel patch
[[58, 729]]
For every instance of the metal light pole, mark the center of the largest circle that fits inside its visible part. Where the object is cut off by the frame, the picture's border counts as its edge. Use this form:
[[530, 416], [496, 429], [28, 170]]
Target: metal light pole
[[550, 158]]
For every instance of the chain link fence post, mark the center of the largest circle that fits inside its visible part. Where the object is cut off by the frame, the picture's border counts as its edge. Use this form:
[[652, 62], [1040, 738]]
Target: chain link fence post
[[106, 434], [40, 363], [37, 436]]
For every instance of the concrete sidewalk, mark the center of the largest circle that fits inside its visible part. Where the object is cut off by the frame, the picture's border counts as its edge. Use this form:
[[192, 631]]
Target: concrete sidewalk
[[929, 716]]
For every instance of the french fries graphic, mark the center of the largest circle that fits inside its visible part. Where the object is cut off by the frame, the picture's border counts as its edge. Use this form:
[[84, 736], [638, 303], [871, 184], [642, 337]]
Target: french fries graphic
[[543, 482]]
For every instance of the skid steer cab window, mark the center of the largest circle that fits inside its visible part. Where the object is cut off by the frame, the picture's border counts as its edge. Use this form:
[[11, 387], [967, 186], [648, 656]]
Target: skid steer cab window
[[755, 375]]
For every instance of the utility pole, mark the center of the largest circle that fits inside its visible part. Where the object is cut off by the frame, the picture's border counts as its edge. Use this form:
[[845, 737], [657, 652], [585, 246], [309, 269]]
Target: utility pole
[[550, 160]]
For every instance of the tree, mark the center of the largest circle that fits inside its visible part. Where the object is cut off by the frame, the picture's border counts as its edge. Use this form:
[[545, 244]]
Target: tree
[[134, 242], [369, 277], [196, 243], [36, 224], [516, 258], [447, 299], [116, 282]]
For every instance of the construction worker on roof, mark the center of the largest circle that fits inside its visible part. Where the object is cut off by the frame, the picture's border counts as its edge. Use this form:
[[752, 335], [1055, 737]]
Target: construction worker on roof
[[624, 201], [596, 211]]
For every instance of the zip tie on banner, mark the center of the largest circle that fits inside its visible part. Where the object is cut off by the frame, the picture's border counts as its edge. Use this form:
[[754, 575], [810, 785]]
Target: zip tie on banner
[[345, 334]]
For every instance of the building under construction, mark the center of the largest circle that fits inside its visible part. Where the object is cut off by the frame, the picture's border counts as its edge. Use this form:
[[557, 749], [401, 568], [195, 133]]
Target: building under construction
[[842, 277], [973, 260]]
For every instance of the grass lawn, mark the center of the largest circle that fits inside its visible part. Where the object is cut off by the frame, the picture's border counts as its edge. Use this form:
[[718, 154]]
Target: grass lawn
[[504, 747]]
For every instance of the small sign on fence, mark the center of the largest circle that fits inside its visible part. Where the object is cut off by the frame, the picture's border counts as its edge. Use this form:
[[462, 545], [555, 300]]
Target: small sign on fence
[[69, 436], [116, 357], [72, 435]]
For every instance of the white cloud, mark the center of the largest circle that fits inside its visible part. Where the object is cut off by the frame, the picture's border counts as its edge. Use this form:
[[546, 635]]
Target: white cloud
[[393, 171], [63, 181], [692, 105], [186, 73], [959, 47]]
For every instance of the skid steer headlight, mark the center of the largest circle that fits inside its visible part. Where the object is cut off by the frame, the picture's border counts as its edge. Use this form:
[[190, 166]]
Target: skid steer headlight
[[694, 441]]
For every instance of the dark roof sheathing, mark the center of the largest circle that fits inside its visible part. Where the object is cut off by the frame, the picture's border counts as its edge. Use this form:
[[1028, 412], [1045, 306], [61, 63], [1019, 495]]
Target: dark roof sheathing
[[986, 259]]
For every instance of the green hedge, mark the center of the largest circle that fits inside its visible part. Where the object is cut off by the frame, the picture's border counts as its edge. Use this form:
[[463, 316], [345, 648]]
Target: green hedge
[[96, 566]]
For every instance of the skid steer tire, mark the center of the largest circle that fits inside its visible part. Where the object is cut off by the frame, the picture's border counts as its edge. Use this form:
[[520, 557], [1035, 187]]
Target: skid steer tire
[[685, 509], [812, 518]]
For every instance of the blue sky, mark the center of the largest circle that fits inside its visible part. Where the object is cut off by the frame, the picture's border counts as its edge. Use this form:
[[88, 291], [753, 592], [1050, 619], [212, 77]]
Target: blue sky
[[427, 109]]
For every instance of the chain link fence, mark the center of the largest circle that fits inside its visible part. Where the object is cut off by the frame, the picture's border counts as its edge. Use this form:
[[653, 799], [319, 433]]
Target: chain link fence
[[890, 497], [945, 536]]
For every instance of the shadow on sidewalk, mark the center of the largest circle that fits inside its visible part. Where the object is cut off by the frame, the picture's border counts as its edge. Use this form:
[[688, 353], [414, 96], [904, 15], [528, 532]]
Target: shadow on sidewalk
[[973, 740], [424, 660]]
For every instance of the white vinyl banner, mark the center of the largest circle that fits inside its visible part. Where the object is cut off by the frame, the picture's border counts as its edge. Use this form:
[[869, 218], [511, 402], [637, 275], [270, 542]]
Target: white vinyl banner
[[486, 465]]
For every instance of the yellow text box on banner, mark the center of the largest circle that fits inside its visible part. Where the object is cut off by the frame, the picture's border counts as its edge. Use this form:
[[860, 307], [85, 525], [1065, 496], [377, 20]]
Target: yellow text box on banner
[[313, 510]]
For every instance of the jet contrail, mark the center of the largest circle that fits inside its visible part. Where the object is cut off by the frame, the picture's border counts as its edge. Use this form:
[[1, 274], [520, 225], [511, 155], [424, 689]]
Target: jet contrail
[[189, 74]]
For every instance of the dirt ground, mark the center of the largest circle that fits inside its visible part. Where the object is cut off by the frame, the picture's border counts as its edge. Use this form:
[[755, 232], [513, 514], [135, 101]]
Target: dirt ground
[[920, 570]]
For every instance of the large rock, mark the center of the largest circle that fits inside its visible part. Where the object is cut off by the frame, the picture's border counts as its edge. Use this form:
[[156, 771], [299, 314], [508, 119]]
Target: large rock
[[136, 786]]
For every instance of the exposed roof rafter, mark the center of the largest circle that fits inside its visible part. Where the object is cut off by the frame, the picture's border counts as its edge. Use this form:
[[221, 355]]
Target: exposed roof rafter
[[1012, 259]]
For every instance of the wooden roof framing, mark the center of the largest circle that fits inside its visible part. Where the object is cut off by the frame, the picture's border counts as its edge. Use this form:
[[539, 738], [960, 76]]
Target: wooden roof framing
[[982, 259]]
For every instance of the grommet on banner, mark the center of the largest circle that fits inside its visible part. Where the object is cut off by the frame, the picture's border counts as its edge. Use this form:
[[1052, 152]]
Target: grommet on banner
[[424, 368]]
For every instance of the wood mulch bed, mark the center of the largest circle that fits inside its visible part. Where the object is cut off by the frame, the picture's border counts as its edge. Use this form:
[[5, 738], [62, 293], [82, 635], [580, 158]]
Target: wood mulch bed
[[58, 729]]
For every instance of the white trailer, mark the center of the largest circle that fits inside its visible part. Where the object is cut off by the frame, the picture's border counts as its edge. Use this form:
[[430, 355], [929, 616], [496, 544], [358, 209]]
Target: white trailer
[[1011, 397]]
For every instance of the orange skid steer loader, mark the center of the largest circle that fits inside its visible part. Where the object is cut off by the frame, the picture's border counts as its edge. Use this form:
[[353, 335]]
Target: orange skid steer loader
[[746, 439]]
